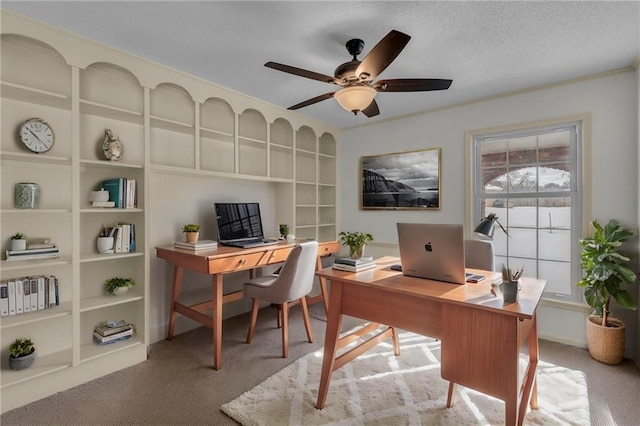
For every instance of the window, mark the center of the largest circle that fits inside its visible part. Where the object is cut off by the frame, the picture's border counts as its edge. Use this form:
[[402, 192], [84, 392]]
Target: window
[[529, 178]]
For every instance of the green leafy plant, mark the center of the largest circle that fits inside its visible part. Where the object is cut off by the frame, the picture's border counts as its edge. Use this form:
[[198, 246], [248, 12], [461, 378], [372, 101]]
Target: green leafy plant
[[284, 230], [355, 241], [21, 347], [604, 269], [18, 236], [115, 282], [191, 227]]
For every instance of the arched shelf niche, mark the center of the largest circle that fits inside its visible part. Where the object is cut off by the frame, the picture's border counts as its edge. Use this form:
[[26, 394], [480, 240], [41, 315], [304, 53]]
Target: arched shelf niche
[[252, 143], [281, 148], [111, 97], [34, 75], [172, 133], [217, 136]]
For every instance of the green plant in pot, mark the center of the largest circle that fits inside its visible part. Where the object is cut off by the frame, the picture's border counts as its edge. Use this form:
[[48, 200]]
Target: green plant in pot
[[191, 231], [21, 354], [118, 286], [604, 273], [356, 241], [18, 242]]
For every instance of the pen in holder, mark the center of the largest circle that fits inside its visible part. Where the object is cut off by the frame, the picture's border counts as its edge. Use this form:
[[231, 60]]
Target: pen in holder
[[511, 284]]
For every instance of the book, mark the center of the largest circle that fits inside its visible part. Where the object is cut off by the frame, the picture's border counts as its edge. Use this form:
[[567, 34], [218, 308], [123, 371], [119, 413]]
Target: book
[[351, 268], [105, 330], [115, 187], [19, 297], [53, 249], [103, 204], [33, 282], [99, 342], [116, 336], [12, 297], [198, 245], [54, 299], [131, 194], [126, 237], [4, 299], [117, 238], [41, 296], [29, 256], [354, 262], [26, 294]]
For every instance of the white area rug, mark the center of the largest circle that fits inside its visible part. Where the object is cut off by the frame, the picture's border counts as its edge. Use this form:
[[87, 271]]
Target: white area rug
[[379, 388]]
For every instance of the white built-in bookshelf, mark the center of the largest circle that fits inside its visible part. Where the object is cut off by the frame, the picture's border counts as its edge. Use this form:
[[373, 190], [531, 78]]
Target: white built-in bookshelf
[[169, 123]]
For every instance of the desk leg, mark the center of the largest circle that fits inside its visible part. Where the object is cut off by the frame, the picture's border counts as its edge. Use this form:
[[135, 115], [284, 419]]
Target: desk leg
[[177, 283], [530, 385], [217, 321], [334, 323], [323, 286]]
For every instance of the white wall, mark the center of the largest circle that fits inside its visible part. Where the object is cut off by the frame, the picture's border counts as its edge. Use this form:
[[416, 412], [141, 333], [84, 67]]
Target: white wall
[[176, 200], [613, 102]]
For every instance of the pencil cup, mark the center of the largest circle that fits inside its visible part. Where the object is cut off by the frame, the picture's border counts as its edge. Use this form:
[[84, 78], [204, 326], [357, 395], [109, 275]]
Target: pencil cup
[[510, 291], [105, 245]]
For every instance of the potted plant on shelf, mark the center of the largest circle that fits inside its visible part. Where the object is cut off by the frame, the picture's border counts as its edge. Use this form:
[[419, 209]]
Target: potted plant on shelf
[[604, 272], [18, 242], [356, 241], [21, 354], [119, 286], [192, 231]]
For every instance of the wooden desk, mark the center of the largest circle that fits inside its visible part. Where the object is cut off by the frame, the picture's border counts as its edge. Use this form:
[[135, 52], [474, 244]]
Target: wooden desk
[[218, 262], [481, 338]]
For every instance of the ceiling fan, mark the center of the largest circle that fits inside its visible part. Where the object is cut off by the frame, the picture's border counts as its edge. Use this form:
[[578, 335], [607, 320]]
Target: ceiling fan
[[356, 77]]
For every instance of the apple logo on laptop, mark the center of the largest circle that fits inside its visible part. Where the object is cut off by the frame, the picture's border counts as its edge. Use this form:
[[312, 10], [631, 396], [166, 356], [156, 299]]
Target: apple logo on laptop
[[428, 247]]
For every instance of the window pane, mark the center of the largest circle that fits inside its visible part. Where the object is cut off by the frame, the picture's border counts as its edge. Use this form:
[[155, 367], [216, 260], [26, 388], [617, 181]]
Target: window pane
[[554, 245], [555, 213], [494, 153], [555, 177], [523, 150], [523, 213], [558, 276], [555, 147], [522, 242], [523, 179], [494, 180]]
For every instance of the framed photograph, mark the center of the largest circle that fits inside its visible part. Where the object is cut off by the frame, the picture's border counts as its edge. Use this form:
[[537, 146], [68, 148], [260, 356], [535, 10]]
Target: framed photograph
[[401, 180]]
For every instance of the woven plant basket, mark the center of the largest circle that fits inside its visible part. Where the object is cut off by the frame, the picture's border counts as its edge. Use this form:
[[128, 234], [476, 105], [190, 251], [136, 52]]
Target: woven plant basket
[[606, 344]]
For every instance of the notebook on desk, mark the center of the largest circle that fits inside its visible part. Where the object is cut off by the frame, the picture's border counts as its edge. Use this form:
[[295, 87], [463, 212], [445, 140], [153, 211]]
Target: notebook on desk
[[240, 225], [432, 251]]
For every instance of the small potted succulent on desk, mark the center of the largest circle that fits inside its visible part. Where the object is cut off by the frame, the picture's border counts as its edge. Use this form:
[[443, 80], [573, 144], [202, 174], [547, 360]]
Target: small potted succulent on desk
[[21, 354], [191, 232], [18, 242], [356, 241], [119, 286]]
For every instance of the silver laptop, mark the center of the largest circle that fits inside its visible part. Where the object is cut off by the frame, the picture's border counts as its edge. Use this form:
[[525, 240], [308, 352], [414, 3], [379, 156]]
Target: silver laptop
[[432, 251]]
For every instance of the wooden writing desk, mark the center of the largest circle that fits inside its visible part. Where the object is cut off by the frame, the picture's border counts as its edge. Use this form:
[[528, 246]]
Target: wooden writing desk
[[481, 337], [218, 262]]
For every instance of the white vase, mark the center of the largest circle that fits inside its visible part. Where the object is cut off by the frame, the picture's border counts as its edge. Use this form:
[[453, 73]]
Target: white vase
[[120, 291], [104, 245]]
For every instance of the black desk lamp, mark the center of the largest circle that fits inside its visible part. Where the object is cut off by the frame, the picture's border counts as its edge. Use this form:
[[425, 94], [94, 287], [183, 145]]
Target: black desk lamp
[[486, 227]]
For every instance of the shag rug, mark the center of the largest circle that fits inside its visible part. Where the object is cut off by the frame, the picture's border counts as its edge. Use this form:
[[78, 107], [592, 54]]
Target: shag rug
[[379, 388]]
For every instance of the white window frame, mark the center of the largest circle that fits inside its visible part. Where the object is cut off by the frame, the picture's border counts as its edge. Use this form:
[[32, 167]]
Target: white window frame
[[580, 223]]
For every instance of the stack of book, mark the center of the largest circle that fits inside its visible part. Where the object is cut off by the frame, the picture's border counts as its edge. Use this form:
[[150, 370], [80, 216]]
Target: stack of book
[[354, 265], [122, 193], [34, 253], [112, 331], [198, 245]]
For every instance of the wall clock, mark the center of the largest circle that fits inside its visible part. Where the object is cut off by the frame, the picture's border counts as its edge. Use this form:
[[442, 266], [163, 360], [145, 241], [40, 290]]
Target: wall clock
[[37, 135]]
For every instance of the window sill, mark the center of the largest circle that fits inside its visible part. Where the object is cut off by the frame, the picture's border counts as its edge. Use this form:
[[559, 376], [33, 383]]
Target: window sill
[[567, 306]]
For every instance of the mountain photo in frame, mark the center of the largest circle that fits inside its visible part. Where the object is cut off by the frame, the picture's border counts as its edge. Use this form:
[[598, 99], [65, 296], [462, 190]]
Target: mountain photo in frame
[[401, 180]]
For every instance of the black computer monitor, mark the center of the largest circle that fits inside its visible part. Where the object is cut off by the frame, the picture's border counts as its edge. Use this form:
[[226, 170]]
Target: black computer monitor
[[238, 221]]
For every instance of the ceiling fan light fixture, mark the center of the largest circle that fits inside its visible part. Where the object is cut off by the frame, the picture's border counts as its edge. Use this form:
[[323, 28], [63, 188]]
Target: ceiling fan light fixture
[[355, 98]]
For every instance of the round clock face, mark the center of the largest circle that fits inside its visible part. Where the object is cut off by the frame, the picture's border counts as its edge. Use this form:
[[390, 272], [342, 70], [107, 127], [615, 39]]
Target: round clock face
[[37, 135]]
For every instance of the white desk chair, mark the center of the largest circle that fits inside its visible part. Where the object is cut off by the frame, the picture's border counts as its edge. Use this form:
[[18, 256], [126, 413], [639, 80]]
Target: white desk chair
[[479, 255], [294, 282]]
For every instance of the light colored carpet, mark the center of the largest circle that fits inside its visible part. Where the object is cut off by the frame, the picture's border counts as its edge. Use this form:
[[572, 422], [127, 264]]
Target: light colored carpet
[[379, 388]]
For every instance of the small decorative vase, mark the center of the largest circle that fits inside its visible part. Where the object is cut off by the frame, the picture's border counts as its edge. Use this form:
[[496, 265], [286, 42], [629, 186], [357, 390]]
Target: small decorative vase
[[27, 195], [112, 146], [356, 252], [99, 196], [22, 362], [510, 291], [120, 291], [192, 237], [19, 245], [104, 245]]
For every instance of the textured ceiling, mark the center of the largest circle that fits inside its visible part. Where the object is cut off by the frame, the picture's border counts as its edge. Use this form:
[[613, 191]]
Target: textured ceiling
[[486, 48]]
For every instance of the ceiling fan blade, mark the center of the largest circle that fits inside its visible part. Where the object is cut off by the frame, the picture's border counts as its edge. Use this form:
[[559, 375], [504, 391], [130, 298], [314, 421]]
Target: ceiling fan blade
[[312, 100], [382, 54], [301, 72], [372, 110], [412, 84]]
